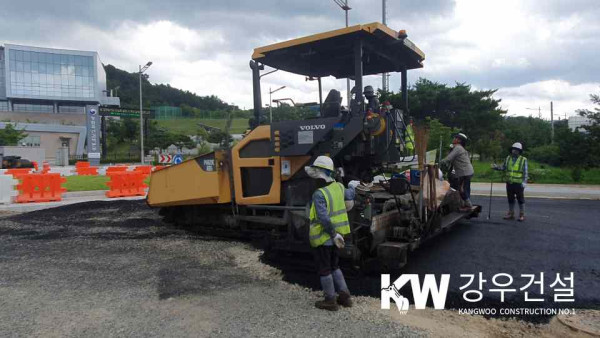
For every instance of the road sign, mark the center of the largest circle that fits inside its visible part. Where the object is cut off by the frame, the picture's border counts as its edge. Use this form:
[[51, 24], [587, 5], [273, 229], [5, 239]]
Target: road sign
[[122, 112], [178, 159], [165, 158]]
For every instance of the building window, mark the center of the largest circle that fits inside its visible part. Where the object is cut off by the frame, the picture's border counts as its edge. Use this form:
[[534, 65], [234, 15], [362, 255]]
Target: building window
[[3, 105], [30, 141], [51, 75], [69, 109], [33, 107]]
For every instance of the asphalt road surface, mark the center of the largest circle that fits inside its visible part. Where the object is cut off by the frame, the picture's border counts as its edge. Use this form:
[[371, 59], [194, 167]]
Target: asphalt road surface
[[558, 236], [112, 268]]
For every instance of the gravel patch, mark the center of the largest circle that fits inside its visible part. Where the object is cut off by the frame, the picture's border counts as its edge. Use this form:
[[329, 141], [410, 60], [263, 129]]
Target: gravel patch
[[114, 269]]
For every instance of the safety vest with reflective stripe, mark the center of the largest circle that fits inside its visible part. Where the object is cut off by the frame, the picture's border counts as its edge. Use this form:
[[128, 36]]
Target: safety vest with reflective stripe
[[336, 209], [409, 138], [514, 171]]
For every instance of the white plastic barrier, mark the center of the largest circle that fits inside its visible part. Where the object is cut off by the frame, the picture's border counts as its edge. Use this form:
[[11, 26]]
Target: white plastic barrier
[[8, 189], [63, 171]]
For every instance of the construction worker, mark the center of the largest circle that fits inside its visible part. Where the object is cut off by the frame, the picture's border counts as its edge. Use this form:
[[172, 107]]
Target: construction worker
[[409, 138], [328, 224], [452, 179], [515, 166], [459, 160]]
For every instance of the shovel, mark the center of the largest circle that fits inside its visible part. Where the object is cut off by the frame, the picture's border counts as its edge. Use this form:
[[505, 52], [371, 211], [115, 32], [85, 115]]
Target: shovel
[[490, 206]]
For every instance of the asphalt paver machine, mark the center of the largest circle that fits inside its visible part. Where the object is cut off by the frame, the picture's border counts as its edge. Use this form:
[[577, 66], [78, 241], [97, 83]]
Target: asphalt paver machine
[[259, 187]]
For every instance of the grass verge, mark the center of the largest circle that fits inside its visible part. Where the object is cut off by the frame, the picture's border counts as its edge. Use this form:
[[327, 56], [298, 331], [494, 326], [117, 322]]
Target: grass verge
[[86, 183], [89, 183], [189, 126], [538, 173]]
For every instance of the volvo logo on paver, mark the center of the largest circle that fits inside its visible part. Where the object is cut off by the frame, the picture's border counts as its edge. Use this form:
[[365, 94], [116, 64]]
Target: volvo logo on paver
[[313, 127], [420, 294]]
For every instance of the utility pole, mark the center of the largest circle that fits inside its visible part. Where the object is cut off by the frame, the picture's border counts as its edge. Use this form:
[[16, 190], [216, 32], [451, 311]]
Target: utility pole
[[142, 70], [344, 5], [384, 76], [551, 122]]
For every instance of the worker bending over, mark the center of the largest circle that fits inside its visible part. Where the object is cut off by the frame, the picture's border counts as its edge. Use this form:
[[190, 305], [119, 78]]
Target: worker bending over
[[328, 224], [515, 167], [459, 160]]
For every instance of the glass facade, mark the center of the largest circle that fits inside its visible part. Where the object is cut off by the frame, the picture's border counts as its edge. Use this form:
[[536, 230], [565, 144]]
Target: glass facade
[[45, 75], [34, 107], [2, 75], [71, 109], [30, 141], [3, 105]]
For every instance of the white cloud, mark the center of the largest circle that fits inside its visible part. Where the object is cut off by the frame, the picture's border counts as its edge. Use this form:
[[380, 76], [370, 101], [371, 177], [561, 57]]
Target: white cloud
[[534, 51], [567, 98]]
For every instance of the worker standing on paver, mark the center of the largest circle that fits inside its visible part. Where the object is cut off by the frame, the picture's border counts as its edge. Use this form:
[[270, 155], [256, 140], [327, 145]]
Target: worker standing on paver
[[409, 137], [328, 224], [516, 170], [459, 160]]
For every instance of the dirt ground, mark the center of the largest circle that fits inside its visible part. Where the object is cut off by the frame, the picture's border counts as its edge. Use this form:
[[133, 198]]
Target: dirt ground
[[114, 269]]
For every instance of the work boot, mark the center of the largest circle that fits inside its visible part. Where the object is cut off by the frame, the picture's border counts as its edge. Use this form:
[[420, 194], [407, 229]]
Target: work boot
[[466, 209], [344, 299], [510, 215], [521, 217], [327, 304]]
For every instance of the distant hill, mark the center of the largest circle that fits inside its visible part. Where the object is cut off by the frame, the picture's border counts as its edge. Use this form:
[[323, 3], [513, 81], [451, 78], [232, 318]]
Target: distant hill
[[159, 94]]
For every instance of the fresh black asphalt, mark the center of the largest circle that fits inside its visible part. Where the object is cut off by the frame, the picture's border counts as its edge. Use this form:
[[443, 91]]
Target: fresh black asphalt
[[558, 236]]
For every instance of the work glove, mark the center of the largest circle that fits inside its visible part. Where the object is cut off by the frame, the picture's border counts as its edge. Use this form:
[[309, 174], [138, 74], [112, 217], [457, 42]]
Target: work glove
[[353, 184], [339, 241], [523, 185]]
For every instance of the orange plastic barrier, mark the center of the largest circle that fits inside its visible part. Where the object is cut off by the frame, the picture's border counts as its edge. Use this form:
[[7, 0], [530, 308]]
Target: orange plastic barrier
[[84, 169], [40, 188], [18, 172], [87, 171], [45, 168], [126, 183], [115, 169], [145, 169]]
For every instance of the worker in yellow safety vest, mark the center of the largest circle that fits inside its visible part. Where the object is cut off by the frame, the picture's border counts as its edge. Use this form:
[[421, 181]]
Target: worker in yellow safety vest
[[409, 138], [515, 167], [328, 225]]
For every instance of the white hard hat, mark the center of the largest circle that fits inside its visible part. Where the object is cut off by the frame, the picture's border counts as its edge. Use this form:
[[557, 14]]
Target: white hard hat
[[518, 146], [461, 136], [324, 162]]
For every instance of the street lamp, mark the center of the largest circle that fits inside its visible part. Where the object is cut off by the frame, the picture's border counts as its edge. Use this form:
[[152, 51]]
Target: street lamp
[[344, 5], [271, 103], [142, 70]]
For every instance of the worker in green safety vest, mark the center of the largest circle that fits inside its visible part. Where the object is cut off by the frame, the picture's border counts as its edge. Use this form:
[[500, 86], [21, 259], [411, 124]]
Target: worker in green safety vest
[[409, 138], [515, 167], [328, 225]]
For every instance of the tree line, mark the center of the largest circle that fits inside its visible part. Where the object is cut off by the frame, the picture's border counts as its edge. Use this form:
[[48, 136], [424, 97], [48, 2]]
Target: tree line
[[127, 89], [450, 109]]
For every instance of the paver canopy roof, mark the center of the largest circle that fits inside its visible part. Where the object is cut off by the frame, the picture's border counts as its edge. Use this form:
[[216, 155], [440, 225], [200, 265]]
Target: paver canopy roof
[[332, 53]]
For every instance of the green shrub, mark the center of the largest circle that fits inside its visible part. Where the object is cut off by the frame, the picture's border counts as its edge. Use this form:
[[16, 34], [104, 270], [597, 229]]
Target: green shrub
[[577, 174], [549, 154]]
